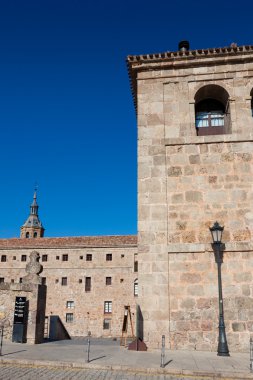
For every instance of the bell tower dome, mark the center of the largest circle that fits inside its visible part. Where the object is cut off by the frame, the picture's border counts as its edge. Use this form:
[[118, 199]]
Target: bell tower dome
[[32, 228]]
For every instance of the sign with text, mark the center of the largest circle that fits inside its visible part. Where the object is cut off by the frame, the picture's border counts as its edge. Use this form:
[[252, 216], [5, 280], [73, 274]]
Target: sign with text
[[20, 310]]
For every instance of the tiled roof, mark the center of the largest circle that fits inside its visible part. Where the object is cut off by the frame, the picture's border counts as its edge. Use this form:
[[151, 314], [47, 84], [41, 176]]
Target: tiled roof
[[80, 241], [134, 61]]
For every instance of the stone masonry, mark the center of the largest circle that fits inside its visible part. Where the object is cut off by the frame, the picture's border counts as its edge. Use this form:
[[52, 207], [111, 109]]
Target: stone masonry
[[66, 266], [186, 182]]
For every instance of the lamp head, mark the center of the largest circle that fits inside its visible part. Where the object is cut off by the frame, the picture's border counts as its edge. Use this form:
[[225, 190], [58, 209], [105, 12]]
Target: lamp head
[[216, 231]]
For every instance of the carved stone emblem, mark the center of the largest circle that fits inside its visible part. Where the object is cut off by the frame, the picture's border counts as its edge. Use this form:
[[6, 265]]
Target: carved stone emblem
[[33, 269]]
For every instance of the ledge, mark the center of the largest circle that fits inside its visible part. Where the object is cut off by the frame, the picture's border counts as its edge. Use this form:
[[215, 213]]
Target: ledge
[[209, 139], [198, 247]]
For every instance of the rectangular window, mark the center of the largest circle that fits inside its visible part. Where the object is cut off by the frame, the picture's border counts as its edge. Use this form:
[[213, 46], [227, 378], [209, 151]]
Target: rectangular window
[[106, 324], [89, 257], [1, 280], [20, 280], [108, 281], [108, 257], [81, 257], [14, 258], [69, 317], [43, 280], [65, 257], [136, 266], [87, 284], [44, 258], [70, 304], [3, 258], [64, 281], [107, 307], [136, 288], [57, 257], [23, 257]]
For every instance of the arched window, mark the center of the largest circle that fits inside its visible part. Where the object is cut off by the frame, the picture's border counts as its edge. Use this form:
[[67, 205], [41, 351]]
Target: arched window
[[35, 234], [136, 287], [212, 115], [27, 235]]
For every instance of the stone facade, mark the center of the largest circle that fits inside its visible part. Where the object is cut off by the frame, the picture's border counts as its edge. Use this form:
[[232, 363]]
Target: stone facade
[[187, 181], [36, 297], [107, 262]]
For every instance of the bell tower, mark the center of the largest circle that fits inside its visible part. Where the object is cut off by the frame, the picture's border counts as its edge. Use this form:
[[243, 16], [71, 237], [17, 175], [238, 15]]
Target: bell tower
[[32, 228]]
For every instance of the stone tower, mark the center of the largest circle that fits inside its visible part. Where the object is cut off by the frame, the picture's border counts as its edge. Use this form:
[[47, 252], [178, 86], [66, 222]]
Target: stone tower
[[195, 167], [32, 228]]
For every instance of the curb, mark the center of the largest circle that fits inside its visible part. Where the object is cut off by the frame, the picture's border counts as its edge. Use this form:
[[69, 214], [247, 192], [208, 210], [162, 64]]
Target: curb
[[177, 373]]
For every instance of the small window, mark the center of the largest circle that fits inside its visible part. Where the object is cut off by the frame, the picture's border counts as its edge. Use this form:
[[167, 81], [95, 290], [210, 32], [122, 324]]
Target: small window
[[136, 288], [56, 280], [106, 324], [122, 280], [69, 317], [23, 257], [64, 281], [107, 307], [20, 280], [12, 281], [108, 281], [43, 280], [44, 258], [65, 257], [80, 281], [27, 235], [122, 256], [57, 257], [87, 284], [108, 257], [3, 258], [14, 258], [1, 280], [35, 234], [81, 257], [89, 257], [136, 266], [70, 304]]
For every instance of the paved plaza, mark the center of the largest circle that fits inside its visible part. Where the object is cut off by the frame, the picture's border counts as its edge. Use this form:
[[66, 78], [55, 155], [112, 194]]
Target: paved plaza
[[68, 360]]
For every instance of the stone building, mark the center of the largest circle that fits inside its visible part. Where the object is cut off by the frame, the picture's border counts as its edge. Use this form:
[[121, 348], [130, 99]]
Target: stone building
[[89, 279], [195, 167]]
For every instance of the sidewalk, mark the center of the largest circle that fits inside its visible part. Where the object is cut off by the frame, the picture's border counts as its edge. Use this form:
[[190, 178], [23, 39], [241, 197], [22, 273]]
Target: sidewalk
[[107, 354]]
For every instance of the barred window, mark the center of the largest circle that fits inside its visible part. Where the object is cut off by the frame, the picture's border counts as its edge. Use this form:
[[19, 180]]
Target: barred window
[[70, 304], [69, 317], [107, 307], [89, 257], [64, 281], [106, 324], [65, 257], [108, 281], [3, 258], [108, 257]]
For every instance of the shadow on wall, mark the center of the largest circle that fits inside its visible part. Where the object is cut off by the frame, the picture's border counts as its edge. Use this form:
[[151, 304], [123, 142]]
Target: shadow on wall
[[57, 330]]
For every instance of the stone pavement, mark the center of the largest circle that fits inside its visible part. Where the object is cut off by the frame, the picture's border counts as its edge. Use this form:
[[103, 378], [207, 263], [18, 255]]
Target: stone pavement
[[67, 360]]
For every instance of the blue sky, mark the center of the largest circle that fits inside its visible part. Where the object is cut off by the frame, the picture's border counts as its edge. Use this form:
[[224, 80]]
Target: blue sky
[[67, 118]]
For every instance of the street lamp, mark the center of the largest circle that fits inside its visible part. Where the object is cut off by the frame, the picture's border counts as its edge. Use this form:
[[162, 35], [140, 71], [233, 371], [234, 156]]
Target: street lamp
[[218, 248]]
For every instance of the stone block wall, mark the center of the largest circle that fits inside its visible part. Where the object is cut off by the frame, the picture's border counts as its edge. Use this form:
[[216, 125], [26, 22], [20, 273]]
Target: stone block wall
[[194, 300], [87, 306], [36, 297], [186, 183]]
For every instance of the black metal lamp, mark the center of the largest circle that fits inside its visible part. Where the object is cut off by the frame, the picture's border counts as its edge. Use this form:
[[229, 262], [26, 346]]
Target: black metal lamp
[[216, 232], [218, 246]]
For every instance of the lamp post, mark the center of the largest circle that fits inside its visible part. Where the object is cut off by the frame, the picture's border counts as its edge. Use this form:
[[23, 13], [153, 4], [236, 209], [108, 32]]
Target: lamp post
[[218, 248]]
